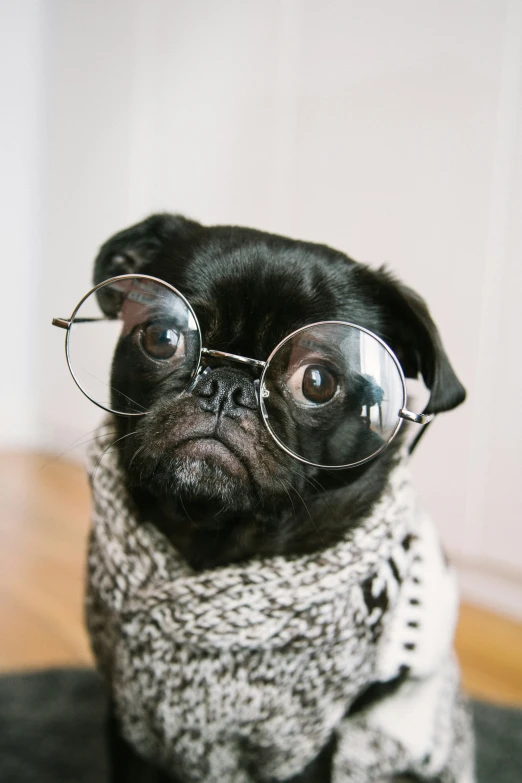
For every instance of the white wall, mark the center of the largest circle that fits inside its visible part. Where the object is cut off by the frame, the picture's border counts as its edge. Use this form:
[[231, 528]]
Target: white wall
[[389, 130], [22, 91]]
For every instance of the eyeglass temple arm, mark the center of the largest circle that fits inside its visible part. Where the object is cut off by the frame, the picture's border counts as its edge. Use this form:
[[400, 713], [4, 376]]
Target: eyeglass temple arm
[[64, 323], [424, 419], [417, 418]]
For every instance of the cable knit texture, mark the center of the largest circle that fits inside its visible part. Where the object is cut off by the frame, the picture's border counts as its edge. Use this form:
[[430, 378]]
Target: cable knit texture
[[242, 673]]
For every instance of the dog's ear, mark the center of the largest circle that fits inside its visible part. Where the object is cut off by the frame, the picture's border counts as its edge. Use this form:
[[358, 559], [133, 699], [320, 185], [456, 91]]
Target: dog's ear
[[411, 332], [147, 248]]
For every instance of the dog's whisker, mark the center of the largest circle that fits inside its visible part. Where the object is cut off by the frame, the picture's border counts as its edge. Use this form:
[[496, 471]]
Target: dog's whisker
[[105, 451], [311, 479], [187, 513], [316, 485], [113, 388], [138, 451], [310, 515], [79, 442], [287, 492]]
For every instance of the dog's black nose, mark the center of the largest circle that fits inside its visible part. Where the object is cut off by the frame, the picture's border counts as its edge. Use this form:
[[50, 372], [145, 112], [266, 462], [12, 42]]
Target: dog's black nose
[[225, 391]]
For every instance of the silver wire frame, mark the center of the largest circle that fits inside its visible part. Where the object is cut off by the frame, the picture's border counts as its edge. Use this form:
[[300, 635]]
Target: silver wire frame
[[403, 413]]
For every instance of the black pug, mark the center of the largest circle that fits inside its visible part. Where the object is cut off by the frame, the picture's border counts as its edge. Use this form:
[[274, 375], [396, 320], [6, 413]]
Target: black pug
[[204, 470]]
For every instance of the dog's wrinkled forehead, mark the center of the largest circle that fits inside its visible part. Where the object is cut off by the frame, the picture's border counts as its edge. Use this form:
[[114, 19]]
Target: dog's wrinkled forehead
[[249, 298]]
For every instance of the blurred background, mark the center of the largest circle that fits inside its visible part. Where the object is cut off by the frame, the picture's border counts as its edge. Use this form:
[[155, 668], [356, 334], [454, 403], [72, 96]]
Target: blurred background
[[391, 131]]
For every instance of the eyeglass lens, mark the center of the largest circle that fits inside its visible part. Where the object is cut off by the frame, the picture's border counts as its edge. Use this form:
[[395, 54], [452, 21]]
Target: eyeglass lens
[[331, 395], [127, 337]]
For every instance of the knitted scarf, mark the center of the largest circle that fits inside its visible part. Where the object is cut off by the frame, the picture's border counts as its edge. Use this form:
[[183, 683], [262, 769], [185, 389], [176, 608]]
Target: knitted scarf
[[243, 673]]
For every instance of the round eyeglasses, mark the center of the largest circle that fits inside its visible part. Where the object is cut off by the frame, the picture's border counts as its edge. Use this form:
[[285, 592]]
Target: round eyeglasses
[[331, 394]]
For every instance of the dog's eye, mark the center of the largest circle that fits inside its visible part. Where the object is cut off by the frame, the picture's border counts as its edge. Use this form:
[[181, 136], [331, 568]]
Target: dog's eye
[[313, 384], [161, 341]]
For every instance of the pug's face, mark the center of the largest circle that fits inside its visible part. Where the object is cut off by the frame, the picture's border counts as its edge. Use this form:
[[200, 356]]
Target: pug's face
[[202, 450]]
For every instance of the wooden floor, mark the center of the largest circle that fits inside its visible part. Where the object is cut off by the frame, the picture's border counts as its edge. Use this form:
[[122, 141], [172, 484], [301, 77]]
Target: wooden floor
[[44, 511]]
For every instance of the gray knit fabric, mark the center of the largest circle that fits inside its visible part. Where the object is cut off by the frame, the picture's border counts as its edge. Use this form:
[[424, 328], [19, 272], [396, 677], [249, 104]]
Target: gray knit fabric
[[243, 673]]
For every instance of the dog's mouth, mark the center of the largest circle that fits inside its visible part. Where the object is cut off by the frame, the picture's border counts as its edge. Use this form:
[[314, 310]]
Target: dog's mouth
[[213, 449]]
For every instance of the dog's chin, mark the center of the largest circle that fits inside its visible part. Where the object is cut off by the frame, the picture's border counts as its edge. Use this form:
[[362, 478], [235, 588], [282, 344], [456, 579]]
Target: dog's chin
[[205, 470], [215, 454], [202, 473]]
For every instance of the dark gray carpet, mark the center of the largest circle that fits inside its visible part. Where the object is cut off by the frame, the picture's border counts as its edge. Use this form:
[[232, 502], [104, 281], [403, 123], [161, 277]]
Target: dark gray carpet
[[51, 731]]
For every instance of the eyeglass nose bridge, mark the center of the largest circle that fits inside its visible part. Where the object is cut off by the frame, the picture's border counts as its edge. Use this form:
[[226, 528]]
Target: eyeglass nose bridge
[[259, 365]]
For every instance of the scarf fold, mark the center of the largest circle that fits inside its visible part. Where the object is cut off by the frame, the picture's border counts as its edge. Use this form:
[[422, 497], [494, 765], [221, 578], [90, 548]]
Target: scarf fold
[[242, 673]]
